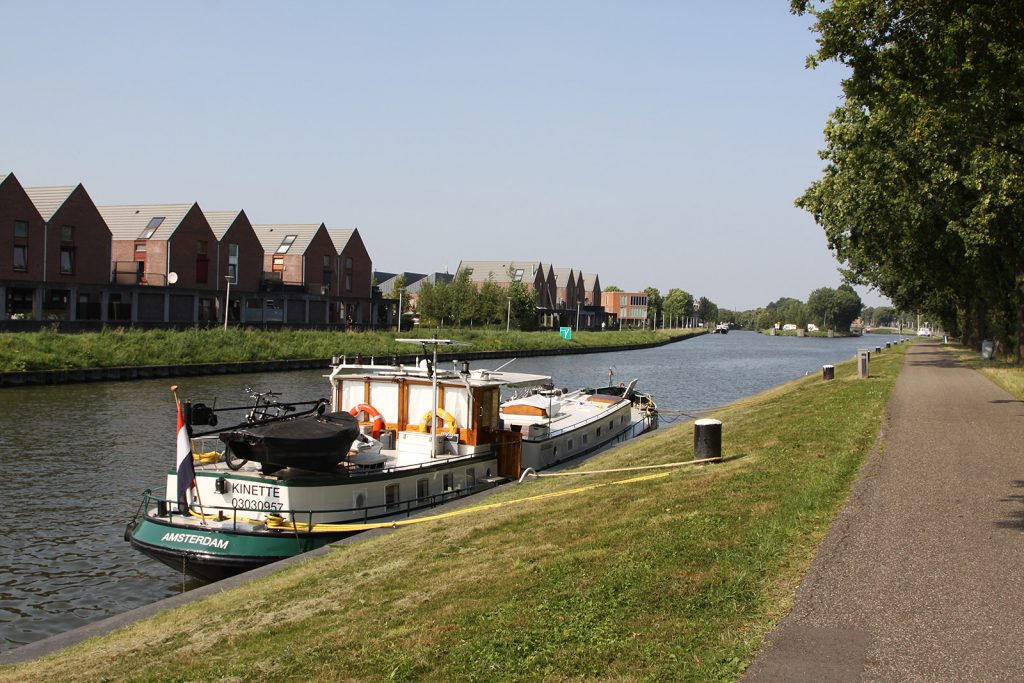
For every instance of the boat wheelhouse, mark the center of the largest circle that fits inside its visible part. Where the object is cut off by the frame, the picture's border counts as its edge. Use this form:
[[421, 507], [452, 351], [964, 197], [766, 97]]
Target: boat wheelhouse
[[426, 435]]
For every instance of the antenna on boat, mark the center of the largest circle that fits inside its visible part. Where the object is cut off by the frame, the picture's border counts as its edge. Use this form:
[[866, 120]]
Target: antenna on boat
[[433, 343]]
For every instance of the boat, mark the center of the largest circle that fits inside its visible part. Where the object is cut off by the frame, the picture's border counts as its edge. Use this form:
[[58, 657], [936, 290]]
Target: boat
[[268, 488], [721, 328]]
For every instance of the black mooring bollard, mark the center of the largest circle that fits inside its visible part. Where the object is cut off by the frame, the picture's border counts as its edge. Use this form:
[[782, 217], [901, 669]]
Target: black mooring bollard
[[878, 349], [828, 372], [707, 439]]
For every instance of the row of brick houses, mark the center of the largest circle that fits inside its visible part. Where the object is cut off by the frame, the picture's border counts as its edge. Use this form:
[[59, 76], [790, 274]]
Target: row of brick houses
[[565, 296], [64, 258]]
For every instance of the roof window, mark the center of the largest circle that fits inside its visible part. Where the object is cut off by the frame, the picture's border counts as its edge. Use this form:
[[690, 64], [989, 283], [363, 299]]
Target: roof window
[[518, 277], [154, 223], [286, 244]]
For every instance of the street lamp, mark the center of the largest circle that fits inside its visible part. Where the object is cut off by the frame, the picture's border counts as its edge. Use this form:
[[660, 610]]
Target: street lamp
[[508, 319], [227, 301]]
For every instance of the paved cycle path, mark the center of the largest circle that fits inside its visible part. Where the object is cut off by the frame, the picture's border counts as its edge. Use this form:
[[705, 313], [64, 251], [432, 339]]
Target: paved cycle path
[[921, 577]]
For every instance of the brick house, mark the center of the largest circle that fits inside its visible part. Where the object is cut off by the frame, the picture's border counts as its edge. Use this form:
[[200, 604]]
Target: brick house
[[21, 251], [149, 243], [355, 276], [629, 307], [239, 256], [76, 267], [299, 272]]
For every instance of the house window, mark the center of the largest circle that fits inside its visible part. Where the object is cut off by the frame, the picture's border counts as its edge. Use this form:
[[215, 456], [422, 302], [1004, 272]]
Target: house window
[[67, 260], [151, 227], [202, 262], [422, 489], [286, 244], [201, 247], [20, 260], [278, 266], [348, 282], [391, 496], [67, 233], [233, 263], [348, 262]]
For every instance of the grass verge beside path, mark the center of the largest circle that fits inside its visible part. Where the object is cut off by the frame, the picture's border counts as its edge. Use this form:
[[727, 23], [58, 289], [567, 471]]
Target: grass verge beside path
[[676, 578], [1007, 375], [118, 347]]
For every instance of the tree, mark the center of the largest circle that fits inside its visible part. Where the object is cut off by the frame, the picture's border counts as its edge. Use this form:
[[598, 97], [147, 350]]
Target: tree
[[678, 304], [654, 302], [611, 288], [524, 305], [922, 195], [835, 308], [463, 297], [491, 303], [707, 310]]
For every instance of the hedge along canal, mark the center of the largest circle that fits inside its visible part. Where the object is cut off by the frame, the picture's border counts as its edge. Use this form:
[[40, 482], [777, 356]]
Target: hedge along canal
[[115, 374]]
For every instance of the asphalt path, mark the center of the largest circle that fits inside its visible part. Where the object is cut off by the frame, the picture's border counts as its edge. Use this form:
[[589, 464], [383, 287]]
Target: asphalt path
[[921, 577]]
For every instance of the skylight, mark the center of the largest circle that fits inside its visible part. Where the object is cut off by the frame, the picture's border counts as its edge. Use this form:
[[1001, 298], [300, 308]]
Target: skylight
[[151, 227], [286, 244]]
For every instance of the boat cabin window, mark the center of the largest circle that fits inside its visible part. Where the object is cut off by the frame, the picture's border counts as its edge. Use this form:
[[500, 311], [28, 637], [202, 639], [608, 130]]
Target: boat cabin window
[[611, 425], [422, 489], [449, 481], [584, 439], [391, 496], [570, 444], [470, 478], [384, 397], [598, 432], [456, 402], [421, 402], [353, 392], [359, 499]]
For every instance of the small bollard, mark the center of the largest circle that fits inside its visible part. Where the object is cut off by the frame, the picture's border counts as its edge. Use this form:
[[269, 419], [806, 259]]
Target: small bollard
[[878, 349], [707, 439], [828, 372], [888, 345], [863, 357]]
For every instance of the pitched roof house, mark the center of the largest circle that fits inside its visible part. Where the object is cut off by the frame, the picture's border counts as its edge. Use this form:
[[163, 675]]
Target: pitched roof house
[[239, 253], [299, 254], [77, 239], [151, 241]]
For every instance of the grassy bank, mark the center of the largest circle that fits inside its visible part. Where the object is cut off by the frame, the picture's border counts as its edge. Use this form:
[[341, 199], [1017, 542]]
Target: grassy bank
[[50, 350], [1007, 375], [675, 578]]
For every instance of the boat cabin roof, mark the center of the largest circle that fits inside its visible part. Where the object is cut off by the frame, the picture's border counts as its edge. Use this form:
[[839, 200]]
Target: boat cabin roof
[[475, 378]]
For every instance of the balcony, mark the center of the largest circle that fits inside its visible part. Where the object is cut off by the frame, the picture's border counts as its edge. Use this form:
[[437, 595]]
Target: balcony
[[132, 273], [274, 282]]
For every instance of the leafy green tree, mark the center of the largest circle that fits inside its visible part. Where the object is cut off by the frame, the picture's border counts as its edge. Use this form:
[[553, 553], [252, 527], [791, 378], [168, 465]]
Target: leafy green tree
[[524, 306], [435, 302], [463, 299], [491, 303], [611, 288], [922, 194], [678, 304], [654, 302], [707, 310]]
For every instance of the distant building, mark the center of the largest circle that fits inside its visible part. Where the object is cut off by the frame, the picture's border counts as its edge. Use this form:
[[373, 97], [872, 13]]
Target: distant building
[[239, 257], [629, 307], [354, 271]]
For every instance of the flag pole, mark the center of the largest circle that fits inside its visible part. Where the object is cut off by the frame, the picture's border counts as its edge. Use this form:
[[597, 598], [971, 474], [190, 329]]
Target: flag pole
[[188, 433]]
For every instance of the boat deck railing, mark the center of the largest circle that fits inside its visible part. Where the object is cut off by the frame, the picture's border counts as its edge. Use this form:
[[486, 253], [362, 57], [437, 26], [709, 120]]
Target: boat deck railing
[[158, 506]]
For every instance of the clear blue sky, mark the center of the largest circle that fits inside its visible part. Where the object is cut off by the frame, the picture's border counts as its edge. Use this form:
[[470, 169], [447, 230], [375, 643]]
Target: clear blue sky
[[656, 143]]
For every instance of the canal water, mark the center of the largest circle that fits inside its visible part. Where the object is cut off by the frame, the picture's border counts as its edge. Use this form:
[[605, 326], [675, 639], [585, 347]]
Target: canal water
[[76, 458]]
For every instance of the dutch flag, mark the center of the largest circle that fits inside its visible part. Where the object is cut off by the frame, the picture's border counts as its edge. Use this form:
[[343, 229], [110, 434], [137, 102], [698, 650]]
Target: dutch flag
[[186, 468]]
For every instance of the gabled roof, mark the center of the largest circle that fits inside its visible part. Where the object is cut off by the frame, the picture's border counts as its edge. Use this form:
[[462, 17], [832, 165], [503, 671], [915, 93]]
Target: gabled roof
[[272, 236], [340, 237], [589, 280], [49, 199], [221, 221], [433, 278], [130, 222], [562, 276], [498, 271]]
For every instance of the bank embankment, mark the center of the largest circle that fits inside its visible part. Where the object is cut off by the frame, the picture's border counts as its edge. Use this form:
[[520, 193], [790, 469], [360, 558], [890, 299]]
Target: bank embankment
[[50, 357], [670, 578]]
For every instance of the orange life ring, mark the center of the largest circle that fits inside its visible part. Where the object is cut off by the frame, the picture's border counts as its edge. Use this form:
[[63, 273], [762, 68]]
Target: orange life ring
[[371, 414]]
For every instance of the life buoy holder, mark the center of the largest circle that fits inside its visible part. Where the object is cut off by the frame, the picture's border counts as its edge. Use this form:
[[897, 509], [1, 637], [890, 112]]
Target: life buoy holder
[[372, 414], [450, 425]]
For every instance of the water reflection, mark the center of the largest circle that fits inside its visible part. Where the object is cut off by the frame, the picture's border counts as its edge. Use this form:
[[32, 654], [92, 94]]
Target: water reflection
[[75, 460]]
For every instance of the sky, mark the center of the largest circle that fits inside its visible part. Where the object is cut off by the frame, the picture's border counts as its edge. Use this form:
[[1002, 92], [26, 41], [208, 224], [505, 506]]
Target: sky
[[654, 143]]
